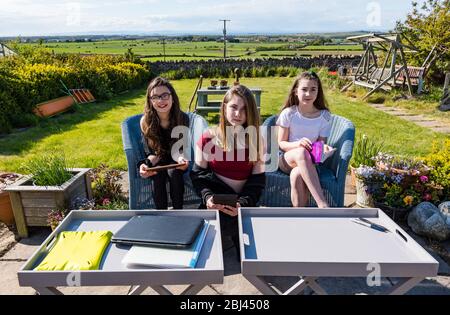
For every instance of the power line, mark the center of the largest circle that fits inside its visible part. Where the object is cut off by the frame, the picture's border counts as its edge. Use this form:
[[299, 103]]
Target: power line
[[225, 38]]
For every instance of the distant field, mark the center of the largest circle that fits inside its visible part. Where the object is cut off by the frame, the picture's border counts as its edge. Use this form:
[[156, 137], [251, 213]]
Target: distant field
[[178, 50]]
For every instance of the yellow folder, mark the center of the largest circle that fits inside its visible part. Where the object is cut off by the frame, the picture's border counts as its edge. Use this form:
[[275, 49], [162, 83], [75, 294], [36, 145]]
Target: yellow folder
[[76, 251]]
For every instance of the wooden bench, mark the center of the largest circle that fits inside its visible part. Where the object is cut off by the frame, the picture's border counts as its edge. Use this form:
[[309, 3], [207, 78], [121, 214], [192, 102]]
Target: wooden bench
[[415, 75]]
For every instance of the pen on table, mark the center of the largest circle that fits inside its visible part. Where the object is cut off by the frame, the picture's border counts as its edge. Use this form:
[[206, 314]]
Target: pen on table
[[371, 225], [375, 224]]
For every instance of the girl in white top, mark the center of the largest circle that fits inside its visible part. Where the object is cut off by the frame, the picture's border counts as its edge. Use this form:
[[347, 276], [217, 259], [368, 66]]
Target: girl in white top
[[304, 119]]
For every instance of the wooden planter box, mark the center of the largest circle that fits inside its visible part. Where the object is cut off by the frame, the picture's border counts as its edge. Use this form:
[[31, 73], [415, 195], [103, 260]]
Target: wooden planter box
[[6, 212], [31, 204], [54, 107]]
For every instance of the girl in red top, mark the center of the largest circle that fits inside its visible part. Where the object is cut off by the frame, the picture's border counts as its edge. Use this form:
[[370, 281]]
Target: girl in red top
[[228, 159]]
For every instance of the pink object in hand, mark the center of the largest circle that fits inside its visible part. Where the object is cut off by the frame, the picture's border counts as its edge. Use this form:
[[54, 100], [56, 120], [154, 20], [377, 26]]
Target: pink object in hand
[[316, 151]]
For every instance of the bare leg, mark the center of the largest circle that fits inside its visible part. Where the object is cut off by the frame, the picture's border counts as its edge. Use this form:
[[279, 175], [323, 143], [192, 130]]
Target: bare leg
[[299, 191], [301, 158]]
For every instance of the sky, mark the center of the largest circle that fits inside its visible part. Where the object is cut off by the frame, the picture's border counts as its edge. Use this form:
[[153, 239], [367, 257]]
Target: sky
[[59, 17]]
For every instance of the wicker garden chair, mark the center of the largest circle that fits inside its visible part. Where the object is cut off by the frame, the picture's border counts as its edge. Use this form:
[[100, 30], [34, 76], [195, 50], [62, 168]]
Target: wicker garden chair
[[140, 188], [332, 172]]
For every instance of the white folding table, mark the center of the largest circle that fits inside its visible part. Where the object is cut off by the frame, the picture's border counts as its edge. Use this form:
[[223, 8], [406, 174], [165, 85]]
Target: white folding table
[[209, 268], [311, 243]]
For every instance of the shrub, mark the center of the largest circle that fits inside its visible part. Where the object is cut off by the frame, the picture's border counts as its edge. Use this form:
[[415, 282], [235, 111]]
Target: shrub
[[105, 185], [55, 217], [439, 161], [35, 76]]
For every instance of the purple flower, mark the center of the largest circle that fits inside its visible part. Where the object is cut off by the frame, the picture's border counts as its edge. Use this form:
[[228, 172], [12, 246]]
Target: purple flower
[[424, 179]]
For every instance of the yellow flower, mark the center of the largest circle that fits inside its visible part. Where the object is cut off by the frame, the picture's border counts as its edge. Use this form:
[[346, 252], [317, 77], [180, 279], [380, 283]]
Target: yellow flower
[[408, 200]]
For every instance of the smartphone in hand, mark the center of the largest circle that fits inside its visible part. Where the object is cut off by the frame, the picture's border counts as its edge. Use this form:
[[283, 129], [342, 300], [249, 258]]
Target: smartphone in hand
[[225, 199]]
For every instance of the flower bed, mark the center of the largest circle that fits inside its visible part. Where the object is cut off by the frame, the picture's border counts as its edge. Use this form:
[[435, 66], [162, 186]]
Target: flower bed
[[398, 184]]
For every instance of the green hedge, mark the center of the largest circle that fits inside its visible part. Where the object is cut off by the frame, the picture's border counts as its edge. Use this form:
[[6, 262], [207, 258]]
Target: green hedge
[[32, 78]]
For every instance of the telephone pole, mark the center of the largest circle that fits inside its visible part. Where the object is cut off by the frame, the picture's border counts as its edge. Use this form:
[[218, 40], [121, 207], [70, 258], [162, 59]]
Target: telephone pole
[[164, 48], [225, 38]]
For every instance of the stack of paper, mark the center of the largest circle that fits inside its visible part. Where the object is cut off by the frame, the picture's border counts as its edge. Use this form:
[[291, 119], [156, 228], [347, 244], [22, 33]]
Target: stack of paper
[[139, 256]]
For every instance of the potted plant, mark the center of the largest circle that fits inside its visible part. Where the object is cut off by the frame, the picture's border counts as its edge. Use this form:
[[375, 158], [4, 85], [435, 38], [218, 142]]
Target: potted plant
[[223, 84], [409, 168], [363, 152], [406, 184], [51, 185], [6, 212], [368, 182]]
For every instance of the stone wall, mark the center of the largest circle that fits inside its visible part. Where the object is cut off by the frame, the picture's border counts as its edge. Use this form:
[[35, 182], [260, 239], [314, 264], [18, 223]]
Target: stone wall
[[331, 62]]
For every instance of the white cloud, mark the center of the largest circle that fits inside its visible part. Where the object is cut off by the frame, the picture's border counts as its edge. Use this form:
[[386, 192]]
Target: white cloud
[[51, 16]]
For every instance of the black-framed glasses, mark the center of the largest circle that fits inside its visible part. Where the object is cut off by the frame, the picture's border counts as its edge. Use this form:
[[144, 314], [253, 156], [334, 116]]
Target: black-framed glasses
[[164, 97]]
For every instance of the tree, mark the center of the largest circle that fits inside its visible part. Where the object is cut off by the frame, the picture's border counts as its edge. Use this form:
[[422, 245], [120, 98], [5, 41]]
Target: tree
[[130, 56], [428, 28]]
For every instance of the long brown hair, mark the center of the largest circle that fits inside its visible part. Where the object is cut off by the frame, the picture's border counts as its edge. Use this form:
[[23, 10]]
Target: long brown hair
[[151, 122], [252, 119], [320, 102]]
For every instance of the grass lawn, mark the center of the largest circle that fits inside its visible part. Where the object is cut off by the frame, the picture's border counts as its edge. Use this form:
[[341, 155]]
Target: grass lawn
[[91, 135]]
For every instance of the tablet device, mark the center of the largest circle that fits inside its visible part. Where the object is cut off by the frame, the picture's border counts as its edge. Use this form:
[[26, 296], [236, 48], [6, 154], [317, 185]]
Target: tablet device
[[159, 230], [225, 199], [164, 167]]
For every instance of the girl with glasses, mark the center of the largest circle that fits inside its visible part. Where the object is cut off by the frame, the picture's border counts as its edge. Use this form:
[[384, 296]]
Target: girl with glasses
[[161, 114]]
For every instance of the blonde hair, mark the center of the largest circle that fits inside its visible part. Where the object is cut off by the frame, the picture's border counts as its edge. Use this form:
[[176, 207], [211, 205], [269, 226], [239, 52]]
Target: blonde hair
[[252, 119]]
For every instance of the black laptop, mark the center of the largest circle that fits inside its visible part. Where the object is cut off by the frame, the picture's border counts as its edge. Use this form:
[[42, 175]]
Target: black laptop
[[159, 230]]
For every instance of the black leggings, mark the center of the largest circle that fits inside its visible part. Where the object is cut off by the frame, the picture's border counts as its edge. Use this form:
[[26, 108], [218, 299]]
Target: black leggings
[[176, 186]]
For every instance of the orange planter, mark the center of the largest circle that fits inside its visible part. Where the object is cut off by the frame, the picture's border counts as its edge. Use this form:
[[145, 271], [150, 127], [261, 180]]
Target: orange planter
[[54, 107], [6, 212]]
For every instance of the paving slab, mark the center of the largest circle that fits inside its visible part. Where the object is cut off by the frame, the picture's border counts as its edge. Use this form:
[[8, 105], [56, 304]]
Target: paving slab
[[349, 200], [432, 286], [429, 124], [9, 283], [442, 129], [444, 268], [25, 248], [419, 120], [352, 286], [414, 118]]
